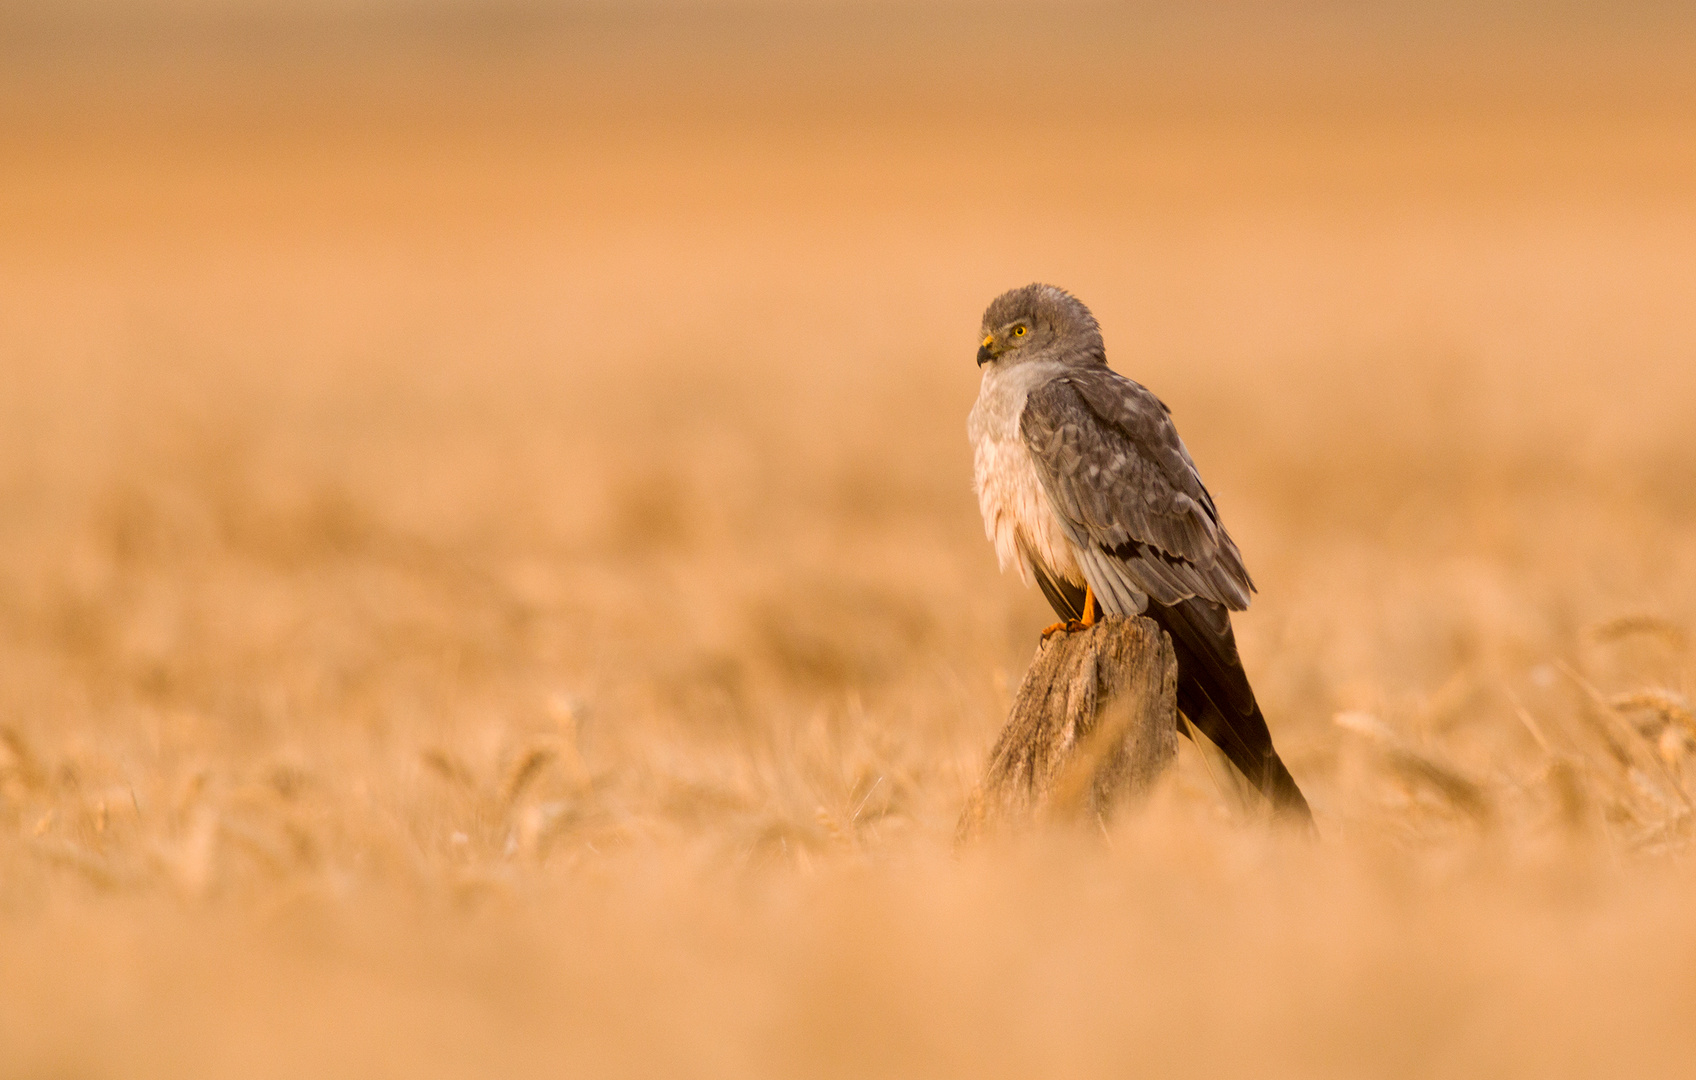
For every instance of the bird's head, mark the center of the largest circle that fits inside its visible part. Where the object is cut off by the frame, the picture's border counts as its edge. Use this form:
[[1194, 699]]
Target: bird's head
[[1039, 322]]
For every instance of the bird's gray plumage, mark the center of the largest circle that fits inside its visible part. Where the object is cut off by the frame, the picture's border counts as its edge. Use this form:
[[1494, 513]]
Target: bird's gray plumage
[[1083, 481], [1117, 473]]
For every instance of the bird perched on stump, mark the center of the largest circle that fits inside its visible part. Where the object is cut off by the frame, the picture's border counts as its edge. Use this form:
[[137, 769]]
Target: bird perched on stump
[[1085, 487]]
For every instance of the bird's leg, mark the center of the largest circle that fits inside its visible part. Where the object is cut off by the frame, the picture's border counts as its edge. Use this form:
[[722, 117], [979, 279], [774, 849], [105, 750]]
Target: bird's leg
[[1068, 625]]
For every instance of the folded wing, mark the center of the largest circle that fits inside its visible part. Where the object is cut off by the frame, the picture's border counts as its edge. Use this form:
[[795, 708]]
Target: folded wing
[[1148, 540], [1117, 473]]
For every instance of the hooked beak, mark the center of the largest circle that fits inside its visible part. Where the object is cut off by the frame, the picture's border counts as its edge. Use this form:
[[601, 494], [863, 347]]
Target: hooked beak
[[984, 355]]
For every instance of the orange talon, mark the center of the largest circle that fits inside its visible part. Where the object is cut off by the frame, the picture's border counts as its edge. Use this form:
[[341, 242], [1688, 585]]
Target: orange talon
[[1065, 627], [1091, 612]]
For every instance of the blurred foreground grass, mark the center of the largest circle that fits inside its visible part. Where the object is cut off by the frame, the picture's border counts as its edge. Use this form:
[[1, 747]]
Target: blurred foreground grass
[[494, 589]]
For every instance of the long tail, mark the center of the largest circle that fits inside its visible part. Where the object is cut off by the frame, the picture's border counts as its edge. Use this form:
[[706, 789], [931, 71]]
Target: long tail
[[1213, 691]]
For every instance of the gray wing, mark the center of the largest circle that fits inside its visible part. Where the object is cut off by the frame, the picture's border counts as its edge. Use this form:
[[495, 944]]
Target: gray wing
[[1115, 470], [1119, 476]]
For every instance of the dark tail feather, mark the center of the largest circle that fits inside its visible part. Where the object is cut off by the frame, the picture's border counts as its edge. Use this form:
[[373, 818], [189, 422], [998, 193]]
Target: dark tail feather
[[1213, 691], [1066, 599]]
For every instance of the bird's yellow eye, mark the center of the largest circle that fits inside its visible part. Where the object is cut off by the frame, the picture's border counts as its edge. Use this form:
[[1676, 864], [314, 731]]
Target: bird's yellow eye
[[1018, 331]]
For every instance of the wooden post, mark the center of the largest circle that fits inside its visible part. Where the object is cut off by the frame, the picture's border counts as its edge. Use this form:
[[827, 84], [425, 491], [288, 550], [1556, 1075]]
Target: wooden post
[[1094, 722]]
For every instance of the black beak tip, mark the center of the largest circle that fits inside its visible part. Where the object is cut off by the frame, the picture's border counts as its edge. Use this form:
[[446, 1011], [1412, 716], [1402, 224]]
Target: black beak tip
[[984, 355]]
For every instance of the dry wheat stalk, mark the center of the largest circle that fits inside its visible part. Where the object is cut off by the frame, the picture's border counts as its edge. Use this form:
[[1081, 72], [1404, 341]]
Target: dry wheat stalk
[[1420, 767], [444, 764], [525, 771], [1641, 625], [1668, 707]]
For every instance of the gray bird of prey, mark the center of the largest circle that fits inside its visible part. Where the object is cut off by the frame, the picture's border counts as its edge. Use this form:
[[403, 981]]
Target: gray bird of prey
[[1085, 487]]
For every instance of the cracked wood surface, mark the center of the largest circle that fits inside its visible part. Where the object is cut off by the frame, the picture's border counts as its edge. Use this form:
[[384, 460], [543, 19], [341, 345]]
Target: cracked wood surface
[[1094, 723]]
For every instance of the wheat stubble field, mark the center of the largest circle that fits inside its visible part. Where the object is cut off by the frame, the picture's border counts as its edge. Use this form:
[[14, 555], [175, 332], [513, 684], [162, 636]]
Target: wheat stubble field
[[489, 584]]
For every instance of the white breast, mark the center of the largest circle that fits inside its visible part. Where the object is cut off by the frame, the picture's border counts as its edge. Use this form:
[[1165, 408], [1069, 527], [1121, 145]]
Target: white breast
[[1017, 515]]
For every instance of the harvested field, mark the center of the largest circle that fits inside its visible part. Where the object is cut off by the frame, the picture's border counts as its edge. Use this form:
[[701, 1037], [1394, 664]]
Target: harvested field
[[490, 586]]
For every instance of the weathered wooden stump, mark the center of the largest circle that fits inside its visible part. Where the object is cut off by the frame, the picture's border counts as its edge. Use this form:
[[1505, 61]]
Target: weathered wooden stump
[[1095, 723]]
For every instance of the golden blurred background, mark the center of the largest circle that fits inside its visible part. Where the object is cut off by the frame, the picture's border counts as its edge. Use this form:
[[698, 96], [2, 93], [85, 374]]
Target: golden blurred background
[[489, 581]]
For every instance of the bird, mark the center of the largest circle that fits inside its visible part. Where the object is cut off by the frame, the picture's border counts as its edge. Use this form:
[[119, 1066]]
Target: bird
[[1086, 488]]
